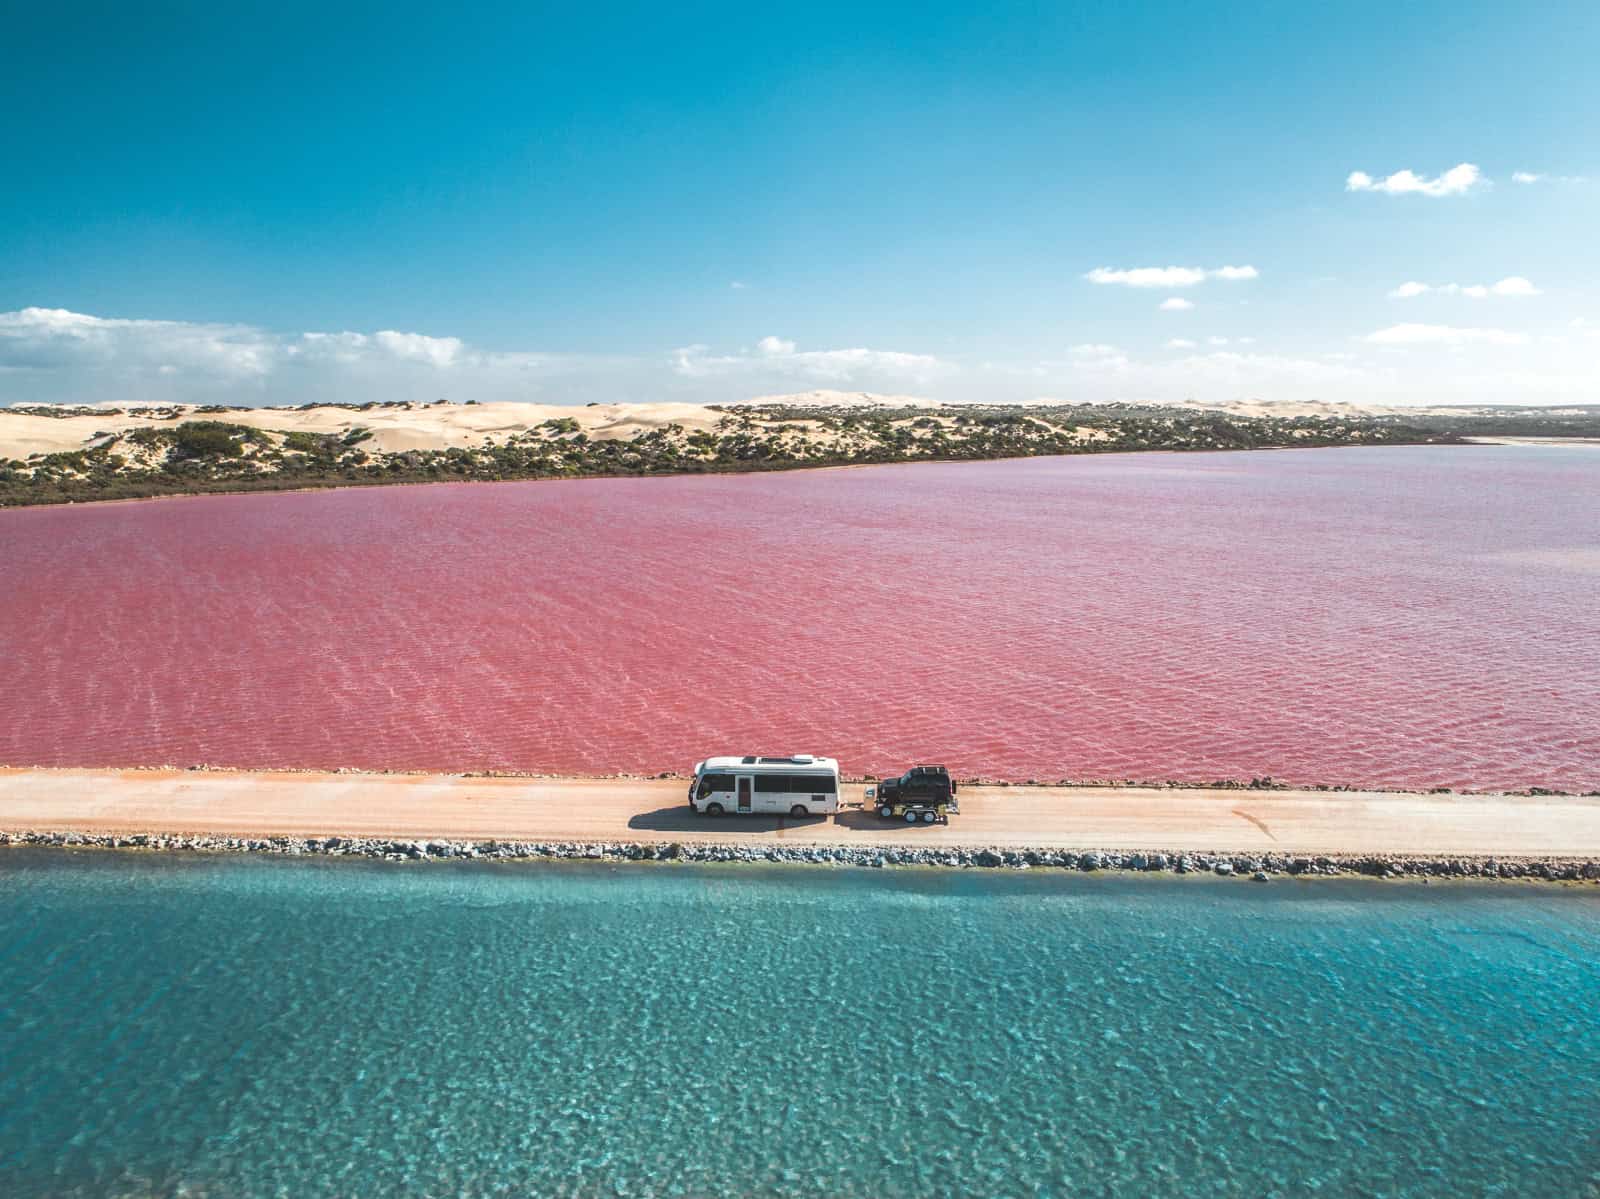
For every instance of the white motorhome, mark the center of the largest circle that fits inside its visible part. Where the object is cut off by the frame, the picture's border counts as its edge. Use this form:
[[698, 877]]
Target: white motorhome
[[799, 785]]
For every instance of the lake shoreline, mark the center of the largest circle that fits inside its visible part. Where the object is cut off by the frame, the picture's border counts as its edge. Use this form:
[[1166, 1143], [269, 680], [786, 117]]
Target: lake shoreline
[[69, 456], [1256, 868], [704, 471]]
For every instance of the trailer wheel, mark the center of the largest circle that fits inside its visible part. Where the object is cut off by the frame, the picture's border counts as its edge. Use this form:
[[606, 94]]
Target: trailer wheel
[[929, 816], [713, 809], [799, 811], [885, 811]]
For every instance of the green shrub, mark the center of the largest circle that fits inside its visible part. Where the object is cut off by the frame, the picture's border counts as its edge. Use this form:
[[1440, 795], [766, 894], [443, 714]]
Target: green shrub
[[208, 439], [318, 445]]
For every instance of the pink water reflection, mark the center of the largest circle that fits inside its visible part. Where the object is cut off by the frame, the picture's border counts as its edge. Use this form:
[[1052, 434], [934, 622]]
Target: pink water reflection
[[1408, 617]]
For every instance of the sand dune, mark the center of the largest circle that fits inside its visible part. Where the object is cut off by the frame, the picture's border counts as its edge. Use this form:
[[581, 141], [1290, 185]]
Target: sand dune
[[413, 427], [407, 427], [444, 425]]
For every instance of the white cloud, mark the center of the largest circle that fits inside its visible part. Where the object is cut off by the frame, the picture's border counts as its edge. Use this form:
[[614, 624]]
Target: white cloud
[[1514, 285], [778, 358], [1511, 285], [1148, 276], [1176, 304], [1097, 356], [1537, 177], [54, 355], [738, 286], [77, 358], [1227, 374], [1168, 276], [1216, 341], [419, 347], [1443, 335], [1268, 370], [43, 338], [1456, 181]]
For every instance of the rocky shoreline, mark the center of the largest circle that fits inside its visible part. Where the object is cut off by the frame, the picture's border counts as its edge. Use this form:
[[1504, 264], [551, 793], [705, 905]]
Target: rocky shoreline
[[1257, 867], [1261, 783]]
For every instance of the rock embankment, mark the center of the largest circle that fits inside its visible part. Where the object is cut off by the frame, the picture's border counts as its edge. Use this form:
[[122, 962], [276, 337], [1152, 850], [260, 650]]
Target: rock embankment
[[1257, 867]]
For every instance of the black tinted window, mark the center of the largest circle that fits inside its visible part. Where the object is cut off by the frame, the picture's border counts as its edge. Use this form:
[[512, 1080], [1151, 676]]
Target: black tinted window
[[772, 783], [820, 784], [715, 782]]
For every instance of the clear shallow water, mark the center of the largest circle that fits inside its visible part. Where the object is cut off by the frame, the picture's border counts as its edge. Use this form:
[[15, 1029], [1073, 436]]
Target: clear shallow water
[[241, 1027], [1420, 617]]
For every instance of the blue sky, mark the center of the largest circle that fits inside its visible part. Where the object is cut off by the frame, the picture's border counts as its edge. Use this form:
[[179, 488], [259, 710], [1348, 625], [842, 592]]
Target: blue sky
[[633, 203]]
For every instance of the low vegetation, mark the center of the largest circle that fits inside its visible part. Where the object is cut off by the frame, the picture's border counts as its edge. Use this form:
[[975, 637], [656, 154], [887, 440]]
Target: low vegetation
[[212, 454]]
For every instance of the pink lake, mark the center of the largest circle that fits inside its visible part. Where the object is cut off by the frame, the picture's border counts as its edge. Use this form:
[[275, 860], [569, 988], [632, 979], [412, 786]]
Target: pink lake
[[1414, 617]]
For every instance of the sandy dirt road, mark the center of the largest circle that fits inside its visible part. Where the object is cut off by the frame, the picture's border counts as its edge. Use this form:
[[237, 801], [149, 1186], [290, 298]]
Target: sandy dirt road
[[408, 806]]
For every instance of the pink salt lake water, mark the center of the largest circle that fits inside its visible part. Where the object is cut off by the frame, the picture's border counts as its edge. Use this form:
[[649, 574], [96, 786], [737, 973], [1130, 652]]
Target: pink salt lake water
[[1409, 617]]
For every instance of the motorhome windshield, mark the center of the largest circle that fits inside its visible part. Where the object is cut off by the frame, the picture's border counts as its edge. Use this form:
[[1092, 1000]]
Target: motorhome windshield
[[714, 782]]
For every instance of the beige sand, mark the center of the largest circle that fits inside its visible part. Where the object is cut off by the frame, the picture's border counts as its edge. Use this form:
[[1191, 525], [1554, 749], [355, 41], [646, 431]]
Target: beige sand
[[465, 426], [443, 425], [418, 427], [454, 807]]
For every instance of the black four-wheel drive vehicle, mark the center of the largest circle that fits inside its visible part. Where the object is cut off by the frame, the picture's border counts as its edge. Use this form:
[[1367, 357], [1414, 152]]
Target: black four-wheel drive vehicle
[[924, 793]]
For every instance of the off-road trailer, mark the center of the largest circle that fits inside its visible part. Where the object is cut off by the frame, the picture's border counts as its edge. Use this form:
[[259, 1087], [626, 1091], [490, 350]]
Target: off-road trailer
[[922, 794]]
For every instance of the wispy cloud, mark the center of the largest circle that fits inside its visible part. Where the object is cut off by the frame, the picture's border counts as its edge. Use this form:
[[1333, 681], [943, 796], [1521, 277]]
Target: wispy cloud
[[1168, 276], [56, 354], [1444, 335], [780, 357], [419, 347], [1176, 304], [1458, 180], [1513, 286], [44, 338], [1097, 356], [1531, 177], [80, 357], [1180, 343]]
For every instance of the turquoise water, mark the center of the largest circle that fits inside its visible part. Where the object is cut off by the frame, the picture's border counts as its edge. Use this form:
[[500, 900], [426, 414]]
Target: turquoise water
[[247, 1027]]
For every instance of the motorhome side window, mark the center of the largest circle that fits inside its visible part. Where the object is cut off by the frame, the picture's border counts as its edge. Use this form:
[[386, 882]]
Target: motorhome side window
[[715, 782], [795, 784]]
